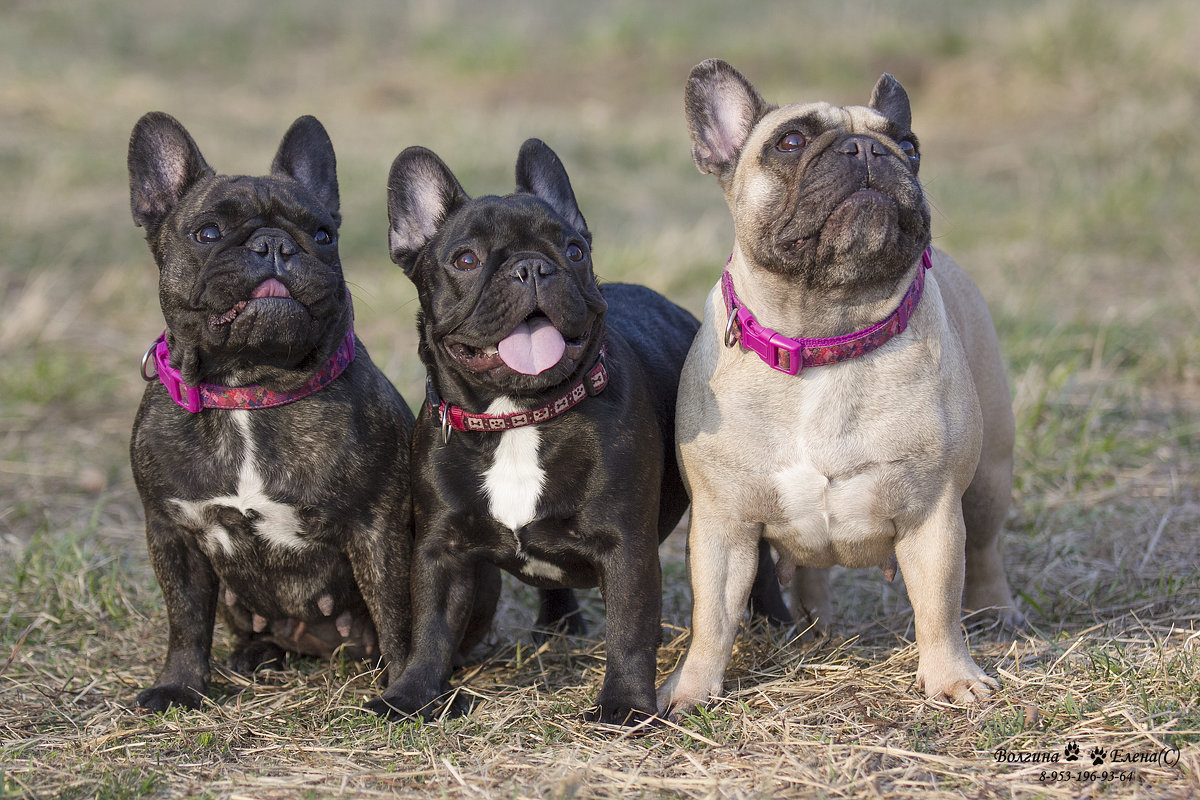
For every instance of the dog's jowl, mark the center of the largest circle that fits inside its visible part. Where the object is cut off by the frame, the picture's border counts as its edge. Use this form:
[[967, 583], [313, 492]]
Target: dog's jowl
[[845, 398], [270, 454], [546, 443]]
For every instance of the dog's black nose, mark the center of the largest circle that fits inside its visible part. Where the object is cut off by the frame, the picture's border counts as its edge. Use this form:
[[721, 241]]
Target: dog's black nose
[[273, 245], [861, 147], [532, 267]]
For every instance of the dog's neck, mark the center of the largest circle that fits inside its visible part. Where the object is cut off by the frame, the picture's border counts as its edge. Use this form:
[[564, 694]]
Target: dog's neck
[[264, 387], [785, 304]]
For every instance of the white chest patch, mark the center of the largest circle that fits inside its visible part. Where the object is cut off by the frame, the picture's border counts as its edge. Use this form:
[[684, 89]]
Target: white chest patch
[[515, 480], [276, 523]]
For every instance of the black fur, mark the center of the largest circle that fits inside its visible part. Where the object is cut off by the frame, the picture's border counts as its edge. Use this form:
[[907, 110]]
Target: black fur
[[612, 490], [333, 466]]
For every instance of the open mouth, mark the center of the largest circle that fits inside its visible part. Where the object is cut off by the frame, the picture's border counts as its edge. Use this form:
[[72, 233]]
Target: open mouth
[[531, 348], [267, 289]]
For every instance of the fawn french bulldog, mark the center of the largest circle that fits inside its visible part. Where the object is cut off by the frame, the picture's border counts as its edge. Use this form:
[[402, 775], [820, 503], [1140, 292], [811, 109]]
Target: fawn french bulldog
[[845, 398]]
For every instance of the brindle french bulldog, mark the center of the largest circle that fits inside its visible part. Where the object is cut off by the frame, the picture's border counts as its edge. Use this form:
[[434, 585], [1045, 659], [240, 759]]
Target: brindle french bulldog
[[292, 521]]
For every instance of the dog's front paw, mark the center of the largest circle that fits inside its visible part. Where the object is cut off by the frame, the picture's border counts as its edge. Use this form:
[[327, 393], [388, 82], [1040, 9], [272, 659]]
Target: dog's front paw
[[618, 714], [395, 709], [398, 708], [963, 684], [406, 700], [623, 702], [254, 655], [160, 698], [678, 698]]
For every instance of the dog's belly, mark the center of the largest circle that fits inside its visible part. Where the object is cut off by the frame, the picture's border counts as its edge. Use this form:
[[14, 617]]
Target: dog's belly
[[820, 519]]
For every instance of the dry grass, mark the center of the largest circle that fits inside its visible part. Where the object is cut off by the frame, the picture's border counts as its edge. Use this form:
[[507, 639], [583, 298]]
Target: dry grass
[[1062, 154]]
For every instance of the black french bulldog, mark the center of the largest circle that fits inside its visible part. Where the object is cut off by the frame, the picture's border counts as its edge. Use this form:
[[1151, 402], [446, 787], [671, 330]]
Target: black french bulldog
[[291, 520], [546, 446]]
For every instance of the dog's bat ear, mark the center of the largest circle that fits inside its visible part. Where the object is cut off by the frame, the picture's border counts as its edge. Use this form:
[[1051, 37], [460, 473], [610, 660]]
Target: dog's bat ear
[[422, 193], [306, 155], [889, 98], [722, 108], [541, 173], [164, 163]]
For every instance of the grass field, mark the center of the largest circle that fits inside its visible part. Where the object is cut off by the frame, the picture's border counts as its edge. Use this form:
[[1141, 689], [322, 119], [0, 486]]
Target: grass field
[[1062, 153]]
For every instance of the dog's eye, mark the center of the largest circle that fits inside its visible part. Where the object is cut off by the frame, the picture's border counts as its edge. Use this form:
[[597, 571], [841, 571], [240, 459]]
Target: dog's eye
[[575, 252], [909, 149], [466, 260], [208, 234], [323, 237], [791, 141]]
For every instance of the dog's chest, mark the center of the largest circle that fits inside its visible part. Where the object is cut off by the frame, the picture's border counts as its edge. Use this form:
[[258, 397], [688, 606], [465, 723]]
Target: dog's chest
[[830, 515], [832, 470], [247, 515], [513, 484]]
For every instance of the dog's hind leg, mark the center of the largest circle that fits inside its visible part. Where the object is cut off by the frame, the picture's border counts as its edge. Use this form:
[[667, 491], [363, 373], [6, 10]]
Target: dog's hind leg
[[812, 601], [558, 612], [766, 600], [985, 505]]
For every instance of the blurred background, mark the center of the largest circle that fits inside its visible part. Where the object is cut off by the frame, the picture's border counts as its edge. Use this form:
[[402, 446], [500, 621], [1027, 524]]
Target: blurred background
[[1061, 154]]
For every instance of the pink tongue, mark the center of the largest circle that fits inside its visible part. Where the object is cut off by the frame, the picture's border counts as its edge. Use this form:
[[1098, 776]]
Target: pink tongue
[[534, 347], [270, 288]]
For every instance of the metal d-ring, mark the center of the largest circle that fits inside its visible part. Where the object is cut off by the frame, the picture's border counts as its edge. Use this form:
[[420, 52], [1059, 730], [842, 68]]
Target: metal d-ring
[[446, 427], [730, 336], [147, 358]]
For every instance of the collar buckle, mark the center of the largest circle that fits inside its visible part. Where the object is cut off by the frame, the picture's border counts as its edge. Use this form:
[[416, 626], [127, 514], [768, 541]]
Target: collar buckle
[[777, 351]]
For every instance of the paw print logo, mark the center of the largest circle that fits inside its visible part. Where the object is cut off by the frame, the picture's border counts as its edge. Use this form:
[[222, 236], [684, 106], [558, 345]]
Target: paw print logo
[[1097, 754], [1072, 751]]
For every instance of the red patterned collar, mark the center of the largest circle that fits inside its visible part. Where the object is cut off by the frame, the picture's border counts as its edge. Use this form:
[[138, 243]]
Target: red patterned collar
[[208, 395], [455, 418], [789, 355]]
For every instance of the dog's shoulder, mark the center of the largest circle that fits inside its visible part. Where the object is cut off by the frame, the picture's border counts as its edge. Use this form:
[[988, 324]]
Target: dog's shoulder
[[658, 331], [965, 307]]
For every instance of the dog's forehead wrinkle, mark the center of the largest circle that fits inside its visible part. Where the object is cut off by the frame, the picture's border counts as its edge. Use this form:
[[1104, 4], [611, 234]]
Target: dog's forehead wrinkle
[[504, 229], [862, 119], [261, 199]]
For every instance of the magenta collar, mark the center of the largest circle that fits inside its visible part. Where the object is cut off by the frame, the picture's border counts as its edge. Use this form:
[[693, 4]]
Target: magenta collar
[[456, 418], [208, 395], [789, 355]]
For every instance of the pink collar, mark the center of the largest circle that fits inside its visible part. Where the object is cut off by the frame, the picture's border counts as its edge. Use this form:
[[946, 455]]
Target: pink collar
[[207, 395], [455, 418], [788, 355]]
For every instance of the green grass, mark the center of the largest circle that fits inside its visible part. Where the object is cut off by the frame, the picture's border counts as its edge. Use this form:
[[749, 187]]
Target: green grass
[[1062, 156]]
